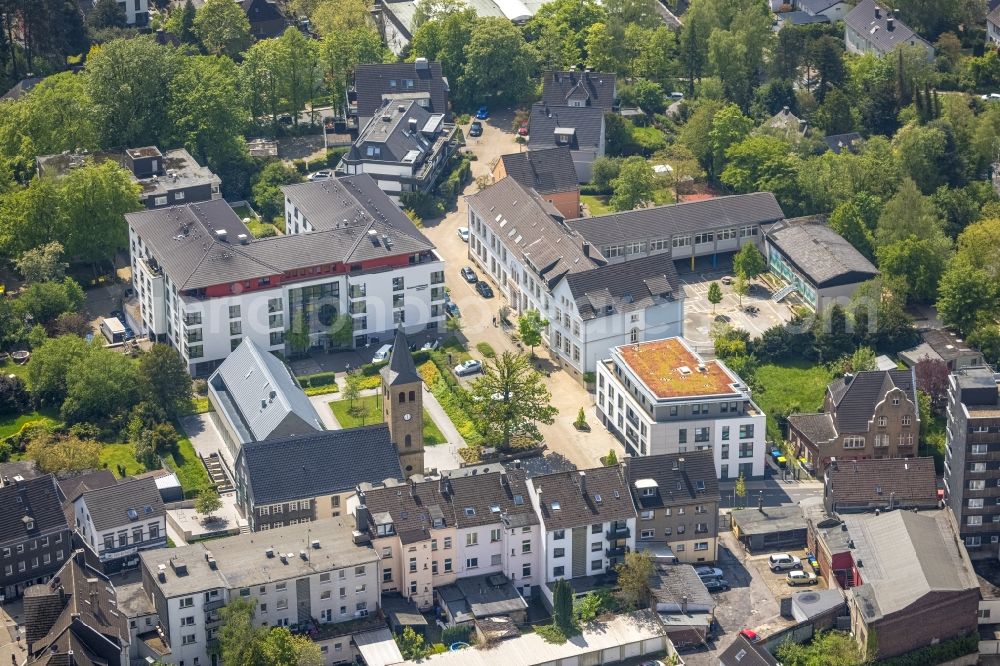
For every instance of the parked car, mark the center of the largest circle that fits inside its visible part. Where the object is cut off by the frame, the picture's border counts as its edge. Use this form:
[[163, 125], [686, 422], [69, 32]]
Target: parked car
[[451, 309], [484, 289], [716, 584], [750, 635], [463, 233], [483, 113], [726, 279], [801, 578], [523, 130], [470, 367], [324, 174], [476, 128], [708, 572], [676, 96], [469, 275], [382, 354], [783, 561], [285, 119], [431, 345]]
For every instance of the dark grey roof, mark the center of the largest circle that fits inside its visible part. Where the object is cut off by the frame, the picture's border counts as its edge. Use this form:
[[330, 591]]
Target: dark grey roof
[[769, 520], [184, 240], [854, 401], [949, 346], [26, 469], [21, 88], [595, 89], [400, 369], [874, 28], [820, 253], [389, 133], [518, 218], [815, 427], [110, 507], [374, 81], [587, 123], [546, 170], [630, 285], [801, 18], [577, 508], [266, 18], [681, 478], [258, 395], [744, 653], [665, 221], [37, 498], [73, 486], [994, 15], [679, 585], [328, 462], [490, 594], [837, 142], [905, 482]]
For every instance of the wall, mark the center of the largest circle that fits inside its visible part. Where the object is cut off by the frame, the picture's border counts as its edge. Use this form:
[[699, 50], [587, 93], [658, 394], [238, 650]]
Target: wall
[[514, 559]]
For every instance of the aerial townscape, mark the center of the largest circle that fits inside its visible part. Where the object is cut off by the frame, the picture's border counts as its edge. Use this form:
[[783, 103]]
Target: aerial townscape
[[499, 332]]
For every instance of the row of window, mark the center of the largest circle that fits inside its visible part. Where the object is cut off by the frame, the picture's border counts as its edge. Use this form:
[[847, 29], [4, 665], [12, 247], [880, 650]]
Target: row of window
[[881, 439], [34, 544], [649, 533], [35, 563], [276, 509], [123, 537]]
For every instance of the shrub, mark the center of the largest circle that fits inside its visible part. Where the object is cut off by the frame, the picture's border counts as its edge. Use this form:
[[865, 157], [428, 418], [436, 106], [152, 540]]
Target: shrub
[[301, 166], [486, 350], [333, 156], [426, 206], [319, 379], [458, 634], [200, 387], [551, 634], [935, 654], [590, 377]]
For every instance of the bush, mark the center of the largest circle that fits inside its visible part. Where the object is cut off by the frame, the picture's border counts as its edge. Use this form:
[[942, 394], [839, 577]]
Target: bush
[[301, 166], [200, 387], [426, 206], [935, 654], [319, 379], [458, 176], [486, 350], [458, 634], [550, 633], [333, 157]]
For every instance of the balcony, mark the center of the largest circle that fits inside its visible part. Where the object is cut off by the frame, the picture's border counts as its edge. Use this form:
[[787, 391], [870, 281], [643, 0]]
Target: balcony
[[213, 605], [619, 532], [617, 551]]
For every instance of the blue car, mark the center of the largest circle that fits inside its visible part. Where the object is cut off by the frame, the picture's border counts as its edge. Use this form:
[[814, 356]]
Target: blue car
[[483, 113]]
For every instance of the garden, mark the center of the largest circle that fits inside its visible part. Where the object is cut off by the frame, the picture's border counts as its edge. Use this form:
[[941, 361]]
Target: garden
[[367, 410]]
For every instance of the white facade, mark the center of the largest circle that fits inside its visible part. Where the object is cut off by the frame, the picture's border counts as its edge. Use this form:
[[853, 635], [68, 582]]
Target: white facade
[[992, 31], [650, 425], [513, 551], [136, 11], [579, 343], [122, 541]]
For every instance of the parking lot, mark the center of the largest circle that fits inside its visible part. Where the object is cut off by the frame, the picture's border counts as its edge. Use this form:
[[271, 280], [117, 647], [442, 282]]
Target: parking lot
[[698, 312]]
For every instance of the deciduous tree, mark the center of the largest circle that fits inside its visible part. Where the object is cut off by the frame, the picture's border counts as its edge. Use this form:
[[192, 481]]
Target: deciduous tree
[[714, 295], [63, 454], [749, 262], [529, 327], [634, 579], [43, 263], [511, 400], [267, 184], [499, 64], [164, 379], [100, 385], [223, 28], [207, 114], [208, 502], [633, 188]]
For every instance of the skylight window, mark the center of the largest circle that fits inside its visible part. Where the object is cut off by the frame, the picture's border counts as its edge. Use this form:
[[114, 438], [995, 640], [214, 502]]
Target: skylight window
[[518, 500], [556, 506], [699, 486], [470, 511], [617, 495], [133, 514], [597, 498], [495, 508]]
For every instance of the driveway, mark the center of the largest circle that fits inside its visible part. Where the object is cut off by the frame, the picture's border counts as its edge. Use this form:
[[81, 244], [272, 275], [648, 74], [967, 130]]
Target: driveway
[[569, 446], [206, 438]]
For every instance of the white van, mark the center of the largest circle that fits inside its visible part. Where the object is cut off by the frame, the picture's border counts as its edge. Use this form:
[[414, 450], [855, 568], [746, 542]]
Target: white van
[[382, 354]]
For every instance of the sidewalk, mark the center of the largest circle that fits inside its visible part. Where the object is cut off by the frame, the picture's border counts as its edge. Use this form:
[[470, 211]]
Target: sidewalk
[[11, 613]]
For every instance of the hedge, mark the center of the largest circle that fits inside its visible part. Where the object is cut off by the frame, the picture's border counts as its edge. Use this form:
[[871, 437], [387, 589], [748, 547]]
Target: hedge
[[450, 395]]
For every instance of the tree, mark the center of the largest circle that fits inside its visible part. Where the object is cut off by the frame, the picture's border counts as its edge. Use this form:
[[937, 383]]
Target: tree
[[299, 70], [50, 365], [529, 327], [633, 188], [925, 153], [63, 454], [14, 396], [714, 294], [144, 449], [879, 319], [862, 360], [267, 184], [352, 387], [280, 647], [499, 64], [43, 302], [645, 94], [342, 331], [916, 262], [633, 579], [208, 502], [836, 113], [830, 648], [72, 323], [207, 112], [611, 460], [239, 641], [848, 220], [107, 14], [728, 127], [827, 56], [185, 27], [411, 644], [510, 400], [907, 213], [740, 490], [760, 162], [223, 28], [741, 287], [99, 386], [749, 262], [831, 337], [129, 83], [932, 378], [444, 38], [164, 379], [562, 605], [603, 171], [964, 292], [43, 263]]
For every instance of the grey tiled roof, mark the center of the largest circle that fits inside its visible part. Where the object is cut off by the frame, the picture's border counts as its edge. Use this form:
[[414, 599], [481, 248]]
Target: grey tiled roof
[[73, 486], [816, 427], [994, 16], [691, 217], [596, 89], [907, 481], [109, 507], [577, 508], [515, 215], [324, 463], [373, 81], [21, 88], [184, 241], [586, 121], [744, 653], [862, 19], [692, 480], [400, 369], [392, 137], [546, 170], [260, 397], [820, 253], [627, 286], [855, 401], [837, 142], [38, 498]]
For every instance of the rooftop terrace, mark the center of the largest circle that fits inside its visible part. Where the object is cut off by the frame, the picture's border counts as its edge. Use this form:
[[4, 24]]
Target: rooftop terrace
[[671, 370]]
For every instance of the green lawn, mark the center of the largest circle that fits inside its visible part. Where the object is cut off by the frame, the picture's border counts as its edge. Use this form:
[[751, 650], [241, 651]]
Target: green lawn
[[188, 467], [113, 455], [598, 205], [932, 442], [340, 409], [243, 212], [796, 384], [12, 424]]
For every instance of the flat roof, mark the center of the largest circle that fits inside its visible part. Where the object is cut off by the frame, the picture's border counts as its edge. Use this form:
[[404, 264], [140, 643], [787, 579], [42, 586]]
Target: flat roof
[[670, 369]]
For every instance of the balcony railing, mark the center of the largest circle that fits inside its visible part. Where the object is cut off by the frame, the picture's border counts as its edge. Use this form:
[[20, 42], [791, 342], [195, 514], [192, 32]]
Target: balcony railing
[[213, 605], [620, 532], [617, 551]]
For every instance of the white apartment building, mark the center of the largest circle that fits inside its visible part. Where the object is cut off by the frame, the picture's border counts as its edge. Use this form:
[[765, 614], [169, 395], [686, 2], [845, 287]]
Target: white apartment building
[[587, 520], [119, 521], [292, 574], [520, 241], [431, 533], [350, 259], [662, 397]]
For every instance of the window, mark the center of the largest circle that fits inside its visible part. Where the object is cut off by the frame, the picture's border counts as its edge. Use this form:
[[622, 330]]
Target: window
[[895, 400], [854, 442], [701, 545], [646, 534], [274, 305], [187, 621], [413, 565], [979, 449], [188, 639], [977, 484], [234, 312], [558, 572], [447, 543], [905, 420], [883, 421], [558, 535], [359, 571], [495, 560], [494, 535], [525, 546], [471, 539], [596, 565], [282, 604], [434, 568], [974, 520], [447, 565], [187, 602], [725, 435], [701, 434], [976, 503], [558, 552], [682, 436], [746, 431], [595, 547], [646, 515], [973, 541], [525, 570]]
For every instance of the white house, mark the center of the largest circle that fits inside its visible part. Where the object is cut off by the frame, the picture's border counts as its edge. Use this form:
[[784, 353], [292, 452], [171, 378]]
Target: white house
[[120, 521], [993, 25], [350, 269], [872, 28], [587, 521], [662, 397]]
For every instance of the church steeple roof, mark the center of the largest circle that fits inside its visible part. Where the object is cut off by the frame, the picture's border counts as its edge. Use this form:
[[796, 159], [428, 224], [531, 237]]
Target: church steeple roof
[[400, 369]]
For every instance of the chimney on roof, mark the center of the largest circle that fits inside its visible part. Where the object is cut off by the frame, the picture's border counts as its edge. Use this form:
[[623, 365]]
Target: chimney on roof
[[413, 487], [421, 63], [890, 23], [413, 125], [848, 377], [586, 249], [583, 483], [878, 12]]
